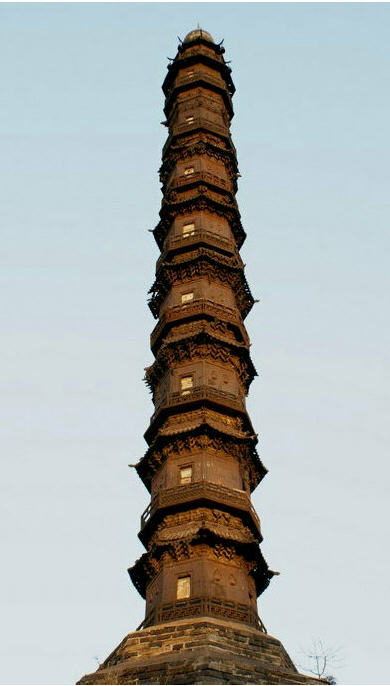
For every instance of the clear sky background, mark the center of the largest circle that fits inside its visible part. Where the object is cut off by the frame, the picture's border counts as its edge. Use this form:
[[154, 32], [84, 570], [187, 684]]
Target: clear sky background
[[80, 141]]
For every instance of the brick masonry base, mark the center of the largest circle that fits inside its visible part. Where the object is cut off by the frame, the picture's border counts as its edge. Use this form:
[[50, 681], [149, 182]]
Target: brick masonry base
[[198, 651]]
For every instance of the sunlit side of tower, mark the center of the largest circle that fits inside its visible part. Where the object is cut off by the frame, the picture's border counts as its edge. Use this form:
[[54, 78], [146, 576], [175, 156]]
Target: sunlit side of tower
[[201, 532], [203, 569]]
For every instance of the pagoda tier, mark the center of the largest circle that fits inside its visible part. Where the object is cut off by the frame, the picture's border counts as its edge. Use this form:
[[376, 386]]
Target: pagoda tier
[[204, 431], [204, 210], [196, 269], [200, 531], [202, 344]]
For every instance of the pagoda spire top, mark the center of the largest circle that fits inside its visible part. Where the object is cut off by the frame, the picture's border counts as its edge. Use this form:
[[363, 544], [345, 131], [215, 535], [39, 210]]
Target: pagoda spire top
[[198, 33]]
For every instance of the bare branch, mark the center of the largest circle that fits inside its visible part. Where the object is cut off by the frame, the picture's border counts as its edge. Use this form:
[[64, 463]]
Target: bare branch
[[319, 659]]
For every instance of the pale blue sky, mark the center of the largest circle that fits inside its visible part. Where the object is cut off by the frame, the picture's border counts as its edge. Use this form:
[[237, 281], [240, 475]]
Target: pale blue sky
[[80, 145]]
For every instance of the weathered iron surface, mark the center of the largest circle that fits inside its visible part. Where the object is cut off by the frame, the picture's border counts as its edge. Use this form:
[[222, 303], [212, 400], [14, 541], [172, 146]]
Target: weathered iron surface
[[200, 297], [203, 568]]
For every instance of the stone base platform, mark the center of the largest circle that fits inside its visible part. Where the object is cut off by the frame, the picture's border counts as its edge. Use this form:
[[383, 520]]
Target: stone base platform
[[198, 651]]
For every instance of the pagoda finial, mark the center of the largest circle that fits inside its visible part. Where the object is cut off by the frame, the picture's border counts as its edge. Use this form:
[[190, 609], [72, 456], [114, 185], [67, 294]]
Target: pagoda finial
[[198, 33]]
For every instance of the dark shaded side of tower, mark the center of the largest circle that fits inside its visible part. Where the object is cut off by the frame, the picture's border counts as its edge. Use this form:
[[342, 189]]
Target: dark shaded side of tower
[[203, 568]]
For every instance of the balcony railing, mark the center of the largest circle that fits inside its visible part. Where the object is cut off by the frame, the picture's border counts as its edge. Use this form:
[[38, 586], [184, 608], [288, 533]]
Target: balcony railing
[[197, 490], [194, 308], [202, 122], [193, 237], [196, 123], [196, 75], [203, 607], [200, 75], [234, 402], [196, 236], [185, 179]]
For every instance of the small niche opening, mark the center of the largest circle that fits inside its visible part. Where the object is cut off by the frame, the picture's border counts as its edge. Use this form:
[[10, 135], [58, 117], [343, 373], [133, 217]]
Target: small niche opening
[[188, 230], [186, 384], [185, 475], [183, 588]]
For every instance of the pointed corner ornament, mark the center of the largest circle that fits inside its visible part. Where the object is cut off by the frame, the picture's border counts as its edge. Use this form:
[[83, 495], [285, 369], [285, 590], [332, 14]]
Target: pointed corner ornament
[[202, 569]]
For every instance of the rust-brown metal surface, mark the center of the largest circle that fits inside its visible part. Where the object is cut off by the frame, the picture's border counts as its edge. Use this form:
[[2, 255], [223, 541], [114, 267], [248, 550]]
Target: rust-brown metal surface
[[200, 530]]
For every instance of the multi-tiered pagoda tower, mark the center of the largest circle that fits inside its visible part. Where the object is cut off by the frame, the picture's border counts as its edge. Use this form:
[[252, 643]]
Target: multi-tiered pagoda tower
[[203, 569], [200, 530]]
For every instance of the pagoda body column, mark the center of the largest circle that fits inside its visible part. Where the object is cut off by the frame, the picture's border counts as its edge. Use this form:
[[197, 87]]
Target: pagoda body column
[[202, 570], [200, 530]]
